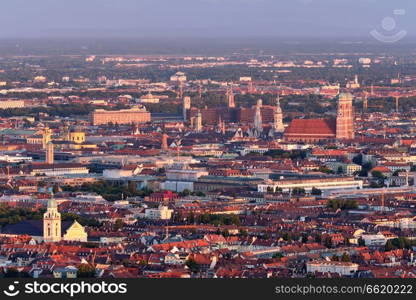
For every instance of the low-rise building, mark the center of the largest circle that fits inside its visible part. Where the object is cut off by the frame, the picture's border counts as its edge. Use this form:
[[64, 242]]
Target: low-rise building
[[335, 267], [160, 213]]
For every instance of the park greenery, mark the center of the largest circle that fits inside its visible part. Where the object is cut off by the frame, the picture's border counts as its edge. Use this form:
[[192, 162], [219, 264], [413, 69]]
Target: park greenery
[[9, 215], [214, 219], [109, 191]]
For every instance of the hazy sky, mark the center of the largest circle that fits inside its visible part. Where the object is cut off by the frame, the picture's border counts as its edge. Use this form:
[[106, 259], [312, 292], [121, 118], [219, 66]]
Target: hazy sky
[[214, 18]]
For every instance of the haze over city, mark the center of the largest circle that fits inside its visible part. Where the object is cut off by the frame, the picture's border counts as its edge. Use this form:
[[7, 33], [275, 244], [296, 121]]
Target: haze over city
[[200, 18]]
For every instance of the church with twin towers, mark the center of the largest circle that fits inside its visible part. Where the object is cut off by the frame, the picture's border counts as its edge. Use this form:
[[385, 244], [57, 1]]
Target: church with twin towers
[[299, 130], [316, 130]]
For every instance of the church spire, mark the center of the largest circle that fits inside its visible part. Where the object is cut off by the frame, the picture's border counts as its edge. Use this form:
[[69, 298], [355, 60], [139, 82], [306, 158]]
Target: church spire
[[258, 123], [278, 116], [230, 98]]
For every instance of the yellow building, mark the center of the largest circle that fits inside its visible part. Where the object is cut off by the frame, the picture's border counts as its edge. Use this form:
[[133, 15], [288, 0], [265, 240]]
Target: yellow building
[[77, 137], [76, 233], [52, 226]]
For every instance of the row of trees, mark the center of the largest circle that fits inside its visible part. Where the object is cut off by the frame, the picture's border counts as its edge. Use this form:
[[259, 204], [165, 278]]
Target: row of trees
[[213, 219], [110, 192], [399, 243], [281, 154]]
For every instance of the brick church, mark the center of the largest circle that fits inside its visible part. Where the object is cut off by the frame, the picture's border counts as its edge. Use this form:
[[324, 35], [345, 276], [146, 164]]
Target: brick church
[[315, 130]]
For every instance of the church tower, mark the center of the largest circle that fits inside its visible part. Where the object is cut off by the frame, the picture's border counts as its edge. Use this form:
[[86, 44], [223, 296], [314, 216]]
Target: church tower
[[186, 105], [164, 145], [230, 98], [198, 122], [258, 123], [278, 117], [49, 153], [52, 222], [46, 137], [345, 117]]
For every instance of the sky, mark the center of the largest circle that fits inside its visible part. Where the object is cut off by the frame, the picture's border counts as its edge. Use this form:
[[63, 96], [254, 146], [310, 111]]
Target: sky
[[205, 18]]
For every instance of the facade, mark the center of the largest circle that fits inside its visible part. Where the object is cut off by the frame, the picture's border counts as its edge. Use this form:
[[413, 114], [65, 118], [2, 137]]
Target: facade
[[185, 174], [329, 183], [123, 116], [76, 233], [374, 239], [160, 213], [347, 168], [58, 169], [336, 267], [77, 137]]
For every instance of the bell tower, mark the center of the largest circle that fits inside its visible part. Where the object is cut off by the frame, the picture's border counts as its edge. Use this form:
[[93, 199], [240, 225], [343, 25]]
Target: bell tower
[[278, 117], [52, 222], [345, 117], [230, 98]]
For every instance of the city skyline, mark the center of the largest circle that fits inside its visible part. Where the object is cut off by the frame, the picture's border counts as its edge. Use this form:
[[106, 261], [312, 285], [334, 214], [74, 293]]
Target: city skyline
[[207, 139]]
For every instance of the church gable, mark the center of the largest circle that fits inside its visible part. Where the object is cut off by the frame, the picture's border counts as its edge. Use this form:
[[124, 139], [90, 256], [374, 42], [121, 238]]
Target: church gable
[[76, 232]]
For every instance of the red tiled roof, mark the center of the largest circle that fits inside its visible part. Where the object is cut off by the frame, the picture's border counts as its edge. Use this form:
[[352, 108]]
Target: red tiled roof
[[312, 126], [381, 169], [329, 152]]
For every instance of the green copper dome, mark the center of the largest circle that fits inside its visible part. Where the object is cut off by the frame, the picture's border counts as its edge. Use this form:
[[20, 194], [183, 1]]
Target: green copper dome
[[52, 203]]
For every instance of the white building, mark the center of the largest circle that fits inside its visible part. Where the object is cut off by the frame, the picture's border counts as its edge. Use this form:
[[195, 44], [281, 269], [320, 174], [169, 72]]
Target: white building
[[324, 183], [337, 267], [185, 174], [58, 169], [160, 213], [125, 171], [177, 186], [15, 159], [178, 77], [253, 149], [90, 197], [374, 239]]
